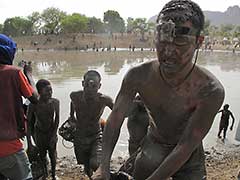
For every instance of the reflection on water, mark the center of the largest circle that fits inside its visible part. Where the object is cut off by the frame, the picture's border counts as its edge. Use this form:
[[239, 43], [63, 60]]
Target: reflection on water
[[65, 71]]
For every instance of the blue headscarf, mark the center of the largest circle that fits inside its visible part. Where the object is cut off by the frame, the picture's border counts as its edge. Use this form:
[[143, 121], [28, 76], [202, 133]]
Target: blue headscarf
[[7, 50]]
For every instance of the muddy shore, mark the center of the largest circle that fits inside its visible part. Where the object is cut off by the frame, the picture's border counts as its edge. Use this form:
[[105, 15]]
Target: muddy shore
[[221, 164]]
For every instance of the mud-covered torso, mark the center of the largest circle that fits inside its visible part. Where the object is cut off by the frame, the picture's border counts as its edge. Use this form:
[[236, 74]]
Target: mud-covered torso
[[45, 115], [171, 108], [88, 112]]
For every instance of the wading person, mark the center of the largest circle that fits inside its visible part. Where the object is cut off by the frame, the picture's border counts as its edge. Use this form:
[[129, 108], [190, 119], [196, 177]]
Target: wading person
[[224, 122], [182, 99], [14, 163], [138, 121], [43, 124], [86, 107]]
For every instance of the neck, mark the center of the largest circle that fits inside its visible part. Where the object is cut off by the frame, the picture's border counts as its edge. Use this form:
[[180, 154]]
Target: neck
[[175, 79], [44, 100]]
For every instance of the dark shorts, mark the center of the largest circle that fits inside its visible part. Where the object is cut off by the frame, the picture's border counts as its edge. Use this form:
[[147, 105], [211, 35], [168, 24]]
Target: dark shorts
[[42, 140], [88, 148], [152, 155]]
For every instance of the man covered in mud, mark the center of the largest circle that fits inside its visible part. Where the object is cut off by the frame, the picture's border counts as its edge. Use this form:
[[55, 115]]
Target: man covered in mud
[[182, 98], [224, 122], [43, 124], [87, 107]]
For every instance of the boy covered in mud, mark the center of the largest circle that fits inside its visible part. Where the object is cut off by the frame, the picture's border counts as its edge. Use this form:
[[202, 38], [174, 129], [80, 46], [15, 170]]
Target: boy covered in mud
[[87, 107], [224, 122], [43, 124], [138, 121]]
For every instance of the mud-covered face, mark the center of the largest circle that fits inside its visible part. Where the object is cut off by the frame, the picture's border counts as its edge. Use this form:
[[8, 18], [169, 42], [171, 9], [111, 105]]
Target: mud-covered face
[[91, 86], [175, 44], [46, 92]]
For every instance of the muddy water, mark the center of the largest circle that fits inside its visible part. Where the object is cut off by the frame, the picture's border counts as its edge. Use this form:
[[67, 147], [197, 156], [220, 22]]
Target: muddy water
[[65, 71]]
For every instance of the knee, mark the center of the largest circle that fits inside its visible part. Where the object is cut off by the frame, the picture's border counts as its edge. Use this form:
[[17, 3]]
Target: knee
[[94, 163]]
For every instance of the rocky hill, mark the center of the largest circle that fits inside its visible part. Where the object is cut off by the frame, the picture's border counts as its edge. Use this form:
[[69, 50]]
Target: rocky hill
[[230, 16]]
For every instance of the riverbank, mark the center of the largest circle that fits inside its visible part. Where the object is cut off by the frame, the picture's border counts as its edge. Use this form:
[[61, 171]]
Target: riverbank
[[98, 42], [221, 164]]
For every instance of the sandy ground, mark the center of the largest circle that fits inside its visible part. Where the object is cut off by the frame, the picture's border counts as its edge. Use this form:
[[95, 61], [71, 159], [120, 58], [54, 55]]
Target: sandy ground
[[221, 164]]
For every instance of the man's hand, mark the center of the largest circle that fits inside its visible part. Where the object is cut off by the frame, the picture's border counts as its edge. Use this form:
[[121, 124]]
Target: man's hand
[[100, 174]]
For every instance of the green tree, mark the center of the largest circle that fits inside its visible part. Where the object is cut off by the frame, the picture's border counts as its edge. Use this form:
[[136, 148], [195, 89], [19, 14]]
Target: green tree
[[36, 21], [226, 30], [1, 28], [113, 21], [206, 27], [236, 31], [141, 25], [95, 25], [130, 25], [74, 23], [17, 26], [51, 18]]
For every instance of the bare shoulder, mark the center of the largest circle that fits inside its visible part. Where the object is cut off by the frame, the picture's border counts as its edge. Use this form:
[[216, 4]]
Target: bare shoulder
[[140, 73], [55, 101], [104, 97], [76, 94], [210, 85]]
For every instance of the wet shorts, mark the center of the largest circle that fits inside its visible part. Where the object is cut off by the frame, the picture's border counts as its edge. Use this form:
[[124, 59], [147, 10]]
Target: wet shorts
[[16, 166], [88, 148], [153, 154]]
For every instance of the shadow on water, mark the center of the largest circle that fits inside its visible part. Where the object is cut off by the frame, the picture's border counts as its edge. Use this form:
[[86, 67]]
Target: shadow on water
[[65, 71]]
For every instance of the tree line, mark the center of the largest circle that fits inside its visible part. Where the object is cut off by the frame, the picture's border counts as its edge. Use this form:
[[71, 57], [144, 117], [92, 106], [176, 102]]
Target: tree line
[[54, 21]]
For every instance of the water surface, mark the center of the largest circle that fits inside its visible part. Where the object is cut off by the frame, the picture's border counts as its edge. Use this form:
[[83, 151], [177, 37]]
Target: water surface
[[65, 71]]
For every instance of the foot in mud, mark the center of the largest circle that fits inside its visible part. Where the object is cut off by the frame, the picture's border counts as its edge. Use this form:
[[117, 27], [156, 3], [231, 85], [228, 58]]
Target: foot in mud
[[120, 176]]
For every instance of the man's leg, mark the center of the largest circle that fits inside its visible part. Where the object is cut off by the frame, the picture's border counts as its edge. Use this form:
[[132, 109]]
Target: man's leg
[[225, 132], [16, 166]]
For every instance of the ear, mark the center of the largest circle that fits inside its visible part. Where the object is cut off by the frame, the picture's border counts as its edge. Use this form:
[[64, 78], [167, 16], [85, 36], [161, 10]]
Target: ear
[[199, 41]]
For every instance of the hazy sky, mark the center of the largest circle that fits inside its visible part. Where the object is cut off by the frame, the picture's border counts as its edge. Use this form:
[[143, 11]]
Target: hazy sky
[[126, 8]]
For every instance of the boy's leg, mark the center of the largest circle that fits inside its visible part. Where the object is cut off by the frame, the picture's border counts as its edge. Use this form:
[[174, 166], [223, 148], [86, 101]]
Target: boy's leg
[[96, 153], [53, 159], [16, 166]]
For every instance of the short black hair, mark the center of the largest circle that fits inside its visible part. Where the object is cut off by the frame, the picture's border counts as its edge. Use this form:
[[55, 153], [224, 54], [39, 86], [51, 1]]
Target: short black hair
[[42, 83], [226, 106], [182, 11], [92, 73]]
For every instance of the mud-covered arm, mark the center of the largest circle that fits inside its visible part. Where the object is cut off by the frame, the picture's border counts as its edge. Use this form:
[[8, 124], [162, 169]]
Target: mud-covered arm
[[56, 120], [109, 102], [233, 119], [198, 126], [30, 124], [72, 111]]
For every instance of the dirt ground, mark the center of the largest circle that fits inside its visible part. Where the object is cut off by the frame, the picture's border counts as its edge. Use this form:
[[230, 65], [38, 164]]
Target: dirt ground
[[220, 164]]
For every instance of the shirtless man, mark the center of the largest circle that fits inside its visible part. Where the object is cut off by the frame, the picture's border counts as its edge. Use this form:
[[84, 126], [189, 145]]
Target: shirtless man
[[225, 121], [43, 124], [182, 98], [138, 121], [87, 107]]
